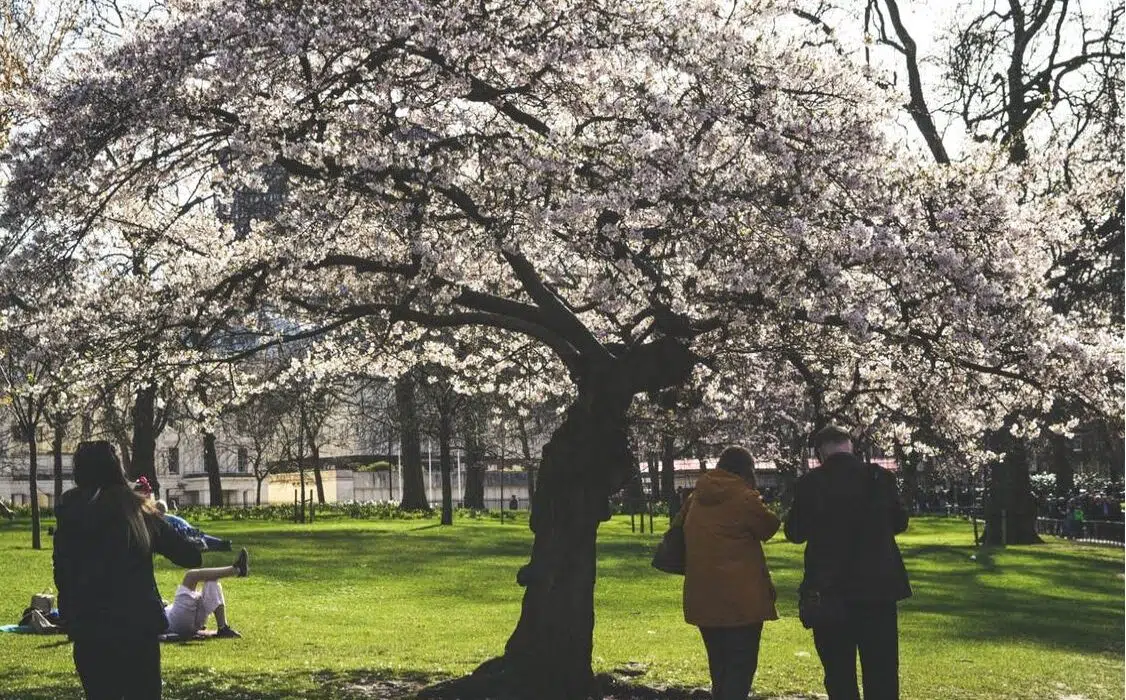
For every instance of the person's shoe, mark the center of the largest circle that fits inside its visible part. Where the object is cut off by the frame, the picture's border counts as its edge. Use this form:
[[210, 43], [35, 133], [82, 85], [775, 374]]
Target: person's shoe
[[224, 546], [242, 564], [225, 632]]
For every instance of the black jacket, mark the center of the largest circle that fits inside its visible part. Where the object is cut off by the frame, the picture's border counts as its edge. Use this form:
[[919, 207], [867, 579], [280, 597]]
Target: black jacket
[[105, 581], [849, 513]]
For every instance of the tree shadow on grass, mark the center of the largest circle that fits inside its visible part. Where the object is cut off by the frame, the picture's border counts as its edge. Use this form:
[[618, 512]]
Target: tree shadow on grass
[[202, 684], [360, 684], [1046, 598]]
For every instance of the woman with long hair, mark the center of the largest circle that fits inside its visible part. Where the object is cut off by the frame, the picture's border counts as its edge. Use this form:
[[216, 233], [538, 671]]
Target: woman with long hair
[[105, 539], [728, 592]]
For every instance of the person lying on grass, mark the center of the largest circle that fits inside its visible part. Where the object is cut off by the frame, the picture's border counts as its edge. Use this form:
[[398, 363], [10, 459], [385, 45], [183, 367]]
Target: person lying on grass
[[188, 612], [199, 537]]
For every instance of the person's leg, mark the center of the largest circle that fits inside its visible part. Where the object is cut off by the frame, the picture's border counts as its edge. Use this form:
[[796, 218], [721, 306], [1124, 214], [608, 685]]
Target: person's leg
[[213, 602], [241, 567], [714, 644], [142, 679], [836, 647], [194, 577], [878, 640], [741, 661], [216, 544], [99, 669]]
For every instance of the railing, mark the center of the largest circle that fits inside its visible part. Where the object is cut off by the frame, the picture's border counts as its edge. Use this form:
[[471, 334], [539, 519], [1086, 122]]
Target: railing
[[1098, 531]]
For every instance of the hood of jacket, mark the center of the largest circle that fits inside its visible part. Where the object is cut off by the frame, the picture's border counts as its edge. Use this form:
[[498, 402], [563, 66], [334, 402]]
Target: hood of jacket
[[718, 486]]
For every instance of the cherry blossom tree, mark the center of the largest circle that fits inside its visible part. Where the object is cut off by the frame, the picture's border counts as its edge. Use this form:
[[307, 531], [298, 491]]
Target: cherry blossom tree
[[654, 192], [1040, 79]]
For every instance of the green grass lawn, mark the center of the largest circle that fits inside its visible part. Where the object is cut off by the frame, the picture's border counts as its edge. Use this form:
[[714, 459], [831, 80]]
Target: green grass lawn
[[340, 602]]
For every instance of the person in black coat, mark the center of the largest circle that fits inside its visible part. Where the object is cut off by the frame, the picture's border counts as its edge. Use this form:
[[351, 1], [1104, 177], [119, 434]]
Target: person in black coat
[[105, 539], [848, 513]]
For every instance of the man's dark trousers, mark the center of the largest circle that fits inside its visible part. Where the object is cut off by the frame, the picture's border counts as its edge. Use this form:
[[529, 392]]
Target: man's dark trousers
[[871, 629], [732, 659]]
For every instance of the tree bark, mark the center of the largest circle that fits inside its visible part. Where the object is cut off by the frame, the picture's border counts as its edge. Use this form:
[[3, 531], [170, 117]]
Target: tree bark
[[668, 466], [909, 470], [445, 461], [549, 654], [634, 493], [474, 471], [654, 477], [33, 478], [588, 458], [57, 452], [1010, 508], [1061, 465], [414, 485], [211, 467], [529, 465], [144, 437], [315, 454]]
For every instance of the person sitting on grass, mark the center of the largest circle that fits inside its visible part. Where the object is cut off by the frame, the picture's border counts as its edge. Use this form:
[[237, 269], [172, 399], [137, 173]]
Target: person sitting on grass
[[188, 612], [202, 539], [6, 512]]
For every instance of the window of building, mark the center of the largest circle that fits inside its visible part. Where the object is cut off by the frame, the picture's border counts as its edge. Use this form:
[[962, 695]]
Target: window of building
[[243, 460], [173, 460]]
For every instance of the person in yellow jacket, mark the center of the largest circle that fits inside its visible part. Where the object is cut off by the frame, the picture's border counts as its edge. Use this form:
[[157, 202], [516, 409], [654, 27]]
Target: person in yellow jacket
[[728, 593]]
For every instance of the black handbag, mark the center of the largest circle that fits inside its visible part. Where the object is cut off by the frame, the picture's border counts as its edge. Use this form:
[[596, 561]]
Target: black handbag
[[817, 608], [672, 553]]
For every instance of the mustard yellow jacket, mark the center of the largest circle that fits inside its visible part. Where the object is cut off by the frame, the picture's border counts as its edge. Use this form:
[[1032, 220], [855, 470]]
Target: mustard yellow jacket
[[726, 582]]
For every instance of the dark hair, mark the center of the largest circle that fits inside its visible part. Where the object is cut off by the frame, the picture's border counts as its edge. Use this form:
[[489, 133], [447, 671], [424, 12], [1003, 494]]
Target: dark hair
[[96, 466], [737, 460], [830, 434], [98, 469]]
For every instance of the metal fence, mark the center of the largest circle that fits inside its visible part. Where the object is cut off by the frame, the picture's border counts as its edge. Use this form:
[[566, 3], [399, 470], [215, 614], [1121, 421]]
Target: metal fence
[[1099, 531]]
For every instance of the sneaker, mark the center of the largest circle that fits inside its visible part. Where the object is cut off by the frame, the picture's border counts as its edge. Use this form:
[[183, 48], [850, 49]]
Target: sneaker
[[223, 546], [225, 632], [242, 564]]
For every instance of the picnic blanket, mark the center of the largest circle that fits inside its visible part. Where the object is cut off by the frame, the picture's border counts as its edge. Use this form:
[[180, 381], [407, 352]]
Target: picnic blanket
[[169, 637], [198, 636]]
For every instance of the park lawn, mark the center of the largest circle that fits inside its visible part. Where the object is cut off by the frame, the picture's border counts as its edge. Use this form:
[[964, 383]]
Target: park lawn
[[344, 601]]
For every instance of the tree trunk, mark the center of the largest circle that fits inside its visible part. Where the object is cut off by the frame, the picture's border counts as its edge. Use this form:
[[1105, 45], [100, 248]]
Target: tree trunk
[[144, 437], [791, 467], [1010, 509], [1061, 465], [315, 453], [474, 497], [654, 477], [634, 493], [33, 478], [445, 430], [258, 491], [125, 451], [548, 656], [301, 475], [211, 467], [57, 452], [301, 431], [668, 466], [414, 485], [529, 464], [909, 470]]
